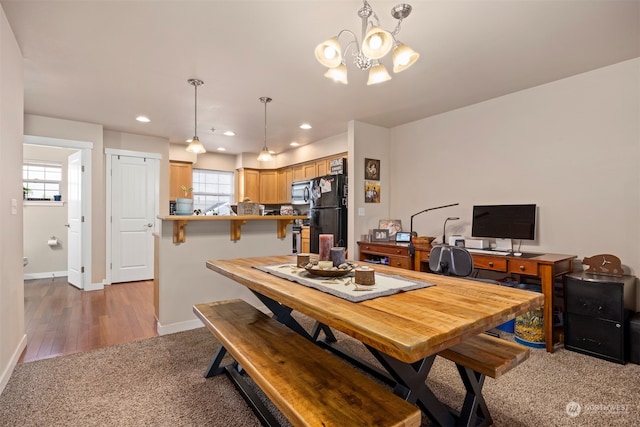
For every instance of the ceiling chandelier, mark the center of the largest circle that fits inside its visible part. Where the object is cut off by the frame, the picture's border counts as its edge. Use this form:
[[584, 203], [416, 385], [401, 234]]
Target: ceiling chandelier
[[265, 155], [376, 43], [195, 146]]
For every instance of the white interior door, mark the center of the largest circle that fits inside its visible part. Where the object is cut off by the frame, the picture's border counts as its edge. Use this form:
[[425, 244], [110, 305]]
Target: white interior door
[[75, 270], [132, 217]]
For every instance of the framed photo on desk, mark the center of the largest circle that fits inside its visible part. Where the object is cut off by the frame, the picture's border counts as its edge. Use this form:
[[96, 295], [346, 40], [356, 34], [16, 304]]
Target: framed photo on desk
[[380, 235]]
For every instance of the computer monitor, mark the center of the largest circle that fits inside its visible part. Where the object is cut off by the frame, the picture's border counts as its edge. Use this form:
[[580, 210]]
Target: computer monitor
[[504, 221]]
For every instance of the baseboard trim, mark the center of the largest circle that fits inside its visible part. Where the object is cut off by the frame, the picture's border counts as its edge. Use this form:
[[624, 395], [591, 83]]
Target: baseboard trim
[[6, 373], [178, 327], [45, 275]]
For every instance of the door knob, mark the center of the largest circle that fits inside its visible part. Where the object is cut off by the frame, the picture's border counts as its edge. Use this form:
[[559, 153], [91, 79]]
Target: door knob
[[148, 225], [67, 225]]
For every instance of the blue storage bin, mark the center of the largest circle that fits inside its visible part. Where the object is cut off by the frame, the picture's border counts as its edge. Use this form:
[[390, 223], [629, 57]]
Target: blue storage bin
[[508, 326]]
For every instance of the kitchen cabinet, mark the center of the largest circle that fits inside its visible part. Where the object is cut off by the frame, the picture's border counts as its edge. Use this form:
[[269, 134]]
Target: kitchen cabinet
[[305, 242], [268, 187], [249, 185], [285, 179], [180, 173], [304, 171], [322, 167]]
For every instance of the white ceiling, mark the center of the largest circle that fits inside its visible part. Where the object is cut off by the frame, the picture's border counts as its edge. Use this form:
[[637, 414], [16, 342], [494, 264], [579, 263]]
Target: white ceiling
[[107, 62]]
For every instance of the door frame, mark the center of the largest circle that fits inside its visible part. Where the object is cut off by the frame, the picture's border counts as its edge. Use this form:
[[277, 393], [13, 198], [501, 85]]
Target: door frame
[[116, 152], [86, 148]]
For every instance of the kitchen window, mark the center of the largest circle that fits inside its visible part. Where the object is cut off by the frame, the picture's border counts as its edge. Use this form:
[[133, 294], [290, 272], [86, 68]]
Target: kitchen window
[[41, 180], [211, 189]]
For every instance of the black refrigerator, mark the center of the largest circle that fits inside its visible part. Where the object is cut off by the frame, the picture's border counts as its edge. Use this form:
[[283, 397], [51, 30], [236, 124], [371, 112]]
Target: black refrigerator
[[328, 210]]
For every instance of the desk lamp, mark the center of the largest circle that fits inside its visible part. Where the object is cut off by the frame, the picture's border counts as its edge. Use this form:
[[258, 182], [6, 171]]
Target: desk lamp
[[411, 247], [444, 228]]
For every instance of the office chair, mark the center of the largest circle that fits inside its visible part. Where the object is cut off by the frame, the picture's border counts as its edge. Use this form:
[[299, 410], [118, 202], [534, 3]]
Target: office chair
[[450, 261]]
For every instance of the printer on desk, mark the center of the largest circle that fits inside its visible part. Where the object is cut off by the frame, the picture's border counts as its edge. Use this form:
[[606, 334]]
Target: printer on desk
[[469, 243]]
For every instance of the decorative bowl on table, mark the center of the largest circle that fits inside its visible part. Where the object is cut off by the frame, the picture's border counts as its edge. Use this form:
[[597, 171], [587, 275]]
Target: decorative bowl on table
[[317, 270]]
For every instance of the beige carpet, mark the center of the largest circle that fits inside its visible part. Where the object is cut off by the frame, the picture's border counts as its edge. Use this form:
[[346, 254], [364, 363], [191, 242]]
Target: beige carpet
[[159, 382]]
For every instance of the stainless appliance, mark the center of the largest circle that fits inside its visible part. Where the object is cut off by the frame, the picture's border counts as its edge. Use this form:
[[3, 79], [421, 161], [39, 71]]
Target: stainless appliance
[[328, 210], [300, 193], [296, 232]]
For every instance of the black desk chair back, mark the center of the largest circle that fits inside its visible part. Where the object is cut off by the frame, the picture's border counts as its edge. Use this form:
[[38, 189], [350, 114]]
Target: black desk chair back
[[450, 261]]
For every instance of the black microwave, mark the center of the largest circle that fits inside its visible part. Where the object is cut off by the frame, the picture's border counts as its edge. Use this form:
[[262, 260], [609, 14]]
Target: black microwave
[[300, 194]]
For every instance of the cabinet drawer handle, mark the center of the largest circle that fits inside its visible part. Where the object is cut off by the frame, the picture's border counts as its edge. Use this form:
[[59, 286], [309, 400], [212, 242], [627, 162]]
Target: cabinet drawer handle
[[490, 264], [618, 325], [367, 247], [398, 251], [521, 268]]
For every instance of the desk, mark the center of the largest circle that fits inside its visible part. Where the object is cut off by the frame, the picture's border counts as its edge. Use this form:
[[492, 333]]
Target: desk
[[543, 266], [403, 331]]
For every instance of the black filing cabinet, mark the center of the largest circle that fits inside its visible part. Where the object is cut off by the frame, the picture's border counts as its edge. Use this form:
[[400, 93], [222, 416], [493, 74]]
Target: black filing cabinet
[[597, 312]]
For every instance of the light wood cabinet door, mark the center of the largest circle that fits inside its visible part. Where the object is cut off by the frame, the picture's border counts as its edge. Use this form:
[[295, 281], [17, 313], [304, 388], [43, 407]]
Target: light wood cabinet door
[[305, 241], [298, 173], [309, 170], [180, 173], [268, 187], [322, 167], [249, 185], [285, 179]]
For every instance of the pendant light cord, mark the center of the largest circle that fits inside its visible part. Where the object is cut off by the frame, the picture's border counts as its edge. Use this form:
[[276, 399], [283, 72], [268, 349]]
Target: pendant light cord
[[195, 109]]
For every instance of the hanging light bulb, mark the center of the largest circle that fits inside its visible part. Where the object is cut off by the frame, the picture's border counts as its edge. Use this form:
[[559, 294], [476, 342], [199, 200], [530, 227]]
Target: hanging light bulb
[[195, 146], [265, 155]]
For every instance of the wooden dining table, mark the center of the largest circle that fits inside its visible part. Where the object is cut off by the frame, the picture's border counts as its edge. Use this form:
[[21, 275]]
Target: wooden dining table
[[403, 331]]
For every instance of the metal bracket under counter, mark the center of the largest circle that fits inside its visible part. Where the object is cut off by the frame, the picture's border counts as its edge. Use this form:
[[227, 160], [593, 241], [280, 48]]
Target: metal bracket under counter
[[235, 223]]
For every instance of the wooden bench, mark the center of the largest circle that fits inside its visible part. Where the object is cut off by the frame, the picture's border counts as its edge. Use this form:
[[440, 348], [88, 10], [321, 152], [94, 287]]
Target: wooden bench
[[308, 385], [479, 357]]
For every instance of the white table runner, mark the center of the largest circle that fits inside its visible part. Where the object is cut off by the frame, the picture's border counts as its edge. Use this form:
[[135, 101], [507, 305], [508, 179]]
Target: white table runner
[[344, 287]]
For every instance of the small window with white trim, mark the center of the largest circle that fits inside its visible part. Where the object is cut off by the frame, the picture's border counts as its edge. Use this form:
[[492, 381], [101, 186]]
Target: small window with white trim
[[211, 189], [41, 180]]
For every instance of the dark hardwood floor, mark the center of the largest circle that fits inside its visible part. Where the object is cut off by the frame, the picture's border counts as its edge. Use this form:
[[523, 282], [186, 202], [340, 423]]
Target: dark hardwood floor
[[61, 319]]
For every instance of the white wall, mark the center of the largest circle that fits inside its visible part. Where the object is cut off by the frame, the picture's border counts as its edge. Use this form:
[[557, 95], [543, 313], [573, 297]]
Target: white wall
[[42, 221], [571, 146], [12, 336], [184, 279], [367, 142]]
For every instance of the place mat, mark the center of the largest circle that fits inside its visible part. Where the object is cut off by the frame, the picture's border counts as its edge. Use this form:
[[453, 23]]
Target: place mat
[[344, 287]]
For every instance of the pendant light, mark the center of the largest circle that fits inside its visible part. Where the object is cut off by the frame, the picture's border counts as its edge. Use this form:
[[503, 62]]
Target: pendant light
[[265, 155], [195, 146], [376, 44]]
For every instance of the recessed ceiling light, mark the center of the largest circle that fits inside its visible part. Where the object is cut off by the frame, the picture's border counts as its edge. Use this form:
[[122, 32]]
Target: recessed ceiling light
[[305, 126], [143, 119], [222, 149], [294, 144], [229, 133]]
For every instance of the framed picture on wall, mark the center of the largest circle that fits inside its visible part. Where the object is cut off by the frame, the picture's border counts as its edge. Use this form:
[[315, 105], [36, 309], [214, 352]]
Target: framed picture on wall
[[380, 235], [372, 192], [372, 169]]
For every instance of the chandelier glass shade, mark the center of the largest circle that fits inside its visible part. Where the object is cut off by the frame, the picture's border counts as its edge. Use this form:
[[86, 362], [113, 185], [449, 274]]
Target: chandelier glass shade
[[265, 155], [195, 146], [376, 44]]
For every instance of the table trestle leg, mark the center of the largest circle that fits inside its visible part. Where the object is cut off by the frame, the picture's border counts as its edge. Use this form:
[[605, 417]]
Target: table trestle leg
[[282, 314], [411, 386], [214, 367], [474, 409]]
